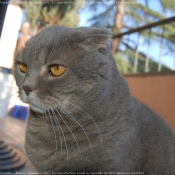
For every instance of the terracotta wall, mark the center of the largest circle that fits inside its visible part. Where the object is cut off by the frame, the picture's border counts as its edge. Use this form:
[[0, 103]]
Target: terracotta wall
[[157, 91]]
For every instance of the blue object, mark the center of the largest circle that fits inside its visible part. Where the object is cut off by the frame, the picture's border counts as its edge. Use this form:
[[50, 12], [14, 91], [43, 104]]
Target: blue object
[[20, 112]]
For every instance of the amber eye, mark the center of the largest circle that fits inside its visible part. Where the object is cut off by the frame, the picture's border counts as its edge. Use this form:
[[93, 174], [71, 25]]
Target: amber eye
[[57, 70], [23, 68]]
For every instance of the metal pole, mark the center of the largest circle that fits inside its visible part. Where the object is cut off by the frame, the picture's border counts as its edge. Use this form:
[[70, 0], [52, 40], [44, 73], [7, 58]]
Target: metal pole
[[165, 21], [3, 9]]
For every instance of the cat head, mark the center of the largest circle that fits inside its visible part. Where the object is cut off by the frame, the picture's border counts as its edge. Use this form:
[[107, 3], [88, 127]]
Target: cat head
[[62, 66]]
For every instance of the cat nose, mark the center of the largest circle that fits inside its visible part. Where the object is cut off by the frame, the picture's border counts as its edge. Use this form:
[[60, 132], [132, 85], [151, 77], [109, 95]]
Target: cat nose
[[28, 89]]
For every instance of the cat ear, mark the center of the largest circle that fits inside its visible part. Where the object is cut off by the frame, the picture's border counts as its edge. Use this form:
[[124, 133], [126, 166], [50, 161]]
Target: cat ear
[[93, 42]]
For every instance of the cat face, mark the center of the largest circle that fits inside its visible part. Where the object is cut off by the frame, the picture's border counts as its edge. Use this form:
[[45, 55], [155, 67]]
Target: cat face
[[61, 65]]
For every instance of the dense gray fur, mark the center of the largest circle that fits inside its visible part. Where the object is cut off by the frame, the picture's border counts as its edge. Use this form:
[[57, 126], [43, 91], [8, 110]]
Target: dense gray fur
[[112, 130]]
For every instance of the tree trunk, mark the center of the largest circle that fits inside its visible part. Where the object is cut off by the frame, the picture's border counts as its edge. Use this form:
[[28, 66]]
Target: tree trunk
[[118, 23]]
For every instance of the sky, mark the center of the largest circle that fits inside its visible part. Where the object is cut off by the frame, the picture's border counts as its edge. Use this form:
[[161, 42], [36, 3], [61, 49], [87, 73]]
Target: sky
[[168, 60]]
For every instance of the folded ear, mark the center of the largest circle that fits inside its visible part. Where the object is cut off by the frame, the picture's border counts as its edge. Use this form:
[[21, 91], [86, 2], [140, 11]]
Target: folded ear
[[93, 42]]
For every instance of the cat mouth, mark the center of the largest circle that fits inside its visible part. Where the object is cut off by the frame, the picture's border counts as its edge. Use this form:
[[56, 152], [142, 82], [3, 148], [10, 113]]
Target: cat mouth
[[37, 108]]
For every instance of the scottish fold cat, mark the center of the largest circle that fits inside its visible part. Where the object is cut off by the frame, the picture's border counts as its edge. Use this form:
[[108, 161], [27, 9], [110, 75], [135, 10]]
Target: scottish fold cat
[[82, 116]]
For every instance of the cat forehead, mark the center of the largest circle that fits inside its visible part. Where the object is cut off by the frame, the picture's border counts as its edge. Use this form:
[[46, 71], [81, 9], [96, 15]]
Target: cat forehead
[[55, 34], [39, 46], [57, 38], [47, 41]]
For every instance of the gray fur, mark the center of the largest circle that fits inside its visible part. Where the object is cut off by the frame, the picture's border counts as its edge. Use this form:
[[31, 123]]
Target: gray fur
[[113, 131]]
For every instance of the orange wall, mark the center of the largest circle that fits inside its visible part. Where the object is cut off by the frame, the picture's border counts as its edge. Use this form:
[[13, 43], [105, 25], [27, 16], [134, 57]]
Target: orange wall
[[157, 91]]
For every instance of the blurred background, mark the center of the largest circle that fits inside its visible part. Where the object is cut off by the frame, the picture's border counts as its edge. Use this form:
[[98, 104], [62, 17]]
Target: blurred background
[[143, 44]]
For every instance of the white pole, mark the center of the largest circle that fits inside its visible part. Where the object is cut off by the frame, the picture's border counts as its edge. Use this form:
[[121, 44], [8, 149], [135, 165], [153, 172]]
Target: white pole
[[147, 57], [136, 56], [147, 61], [161, 49], [160, 58], [174, 65]]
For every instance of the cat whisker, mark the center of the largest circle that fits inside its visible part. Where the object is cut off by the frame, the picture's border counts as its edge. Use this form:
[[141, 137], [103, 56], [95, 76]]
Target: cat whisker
[[53, 131], [45, 120], [67, 151], [73, 118], [91, 119], [58, 128], [71, 133]]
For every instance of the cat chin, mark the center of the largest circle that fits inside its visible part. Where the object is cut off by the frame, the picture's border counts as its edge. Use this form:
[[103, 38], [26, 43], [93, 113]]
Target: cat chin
[[37, 109]]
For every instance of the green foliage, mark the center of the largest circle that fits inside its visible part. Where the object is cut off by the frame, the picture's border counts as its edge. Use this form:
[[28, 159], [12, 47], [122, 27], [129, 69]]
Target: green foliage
[[43, 14], [123, 65], [137, 14], [60, 8], [32, 12], [168, 5]]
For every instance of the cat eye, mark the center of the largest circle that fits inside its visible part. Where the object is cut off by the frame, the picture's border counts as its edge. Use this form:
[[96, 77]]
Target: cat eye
[[23, 68], [57, 70]]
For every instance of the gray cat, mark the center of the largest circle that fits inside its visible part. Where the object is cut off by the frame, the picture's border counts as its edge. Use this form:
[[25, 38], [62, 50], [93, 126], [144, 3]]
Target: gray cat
[[82, 115]]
